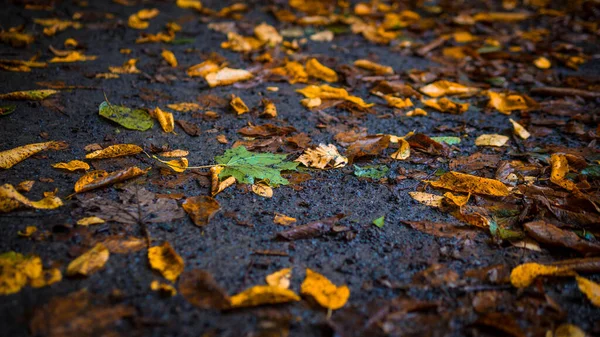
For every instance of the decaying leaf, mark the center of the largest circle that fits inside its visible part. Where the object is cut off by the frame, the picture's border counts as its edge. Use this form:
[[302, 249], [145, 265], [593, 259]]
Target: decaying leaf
[[523, 275], [73, 165], [324, 156], [16, 270], [90, 220], [443, 88], [560, 169], [177, 165], [280, 278], [10, 200], [261, 295], [217, 186], [99, 178], [441, 229], [192, 4], [124, 245], [491, 140], [284, 220], [165, 119], [227, 76], [270, 110], [315, 69], [9, 158], [542, 63], [262, 189], [133, 119], [403, 151], [89, 262], [238, 105], [30, 95], [325, 293], [550, 234], [590, 288], [114, 151], [445, 105], [431, 200], [165, 259], [200, 289], [201, 209], [461, 182]]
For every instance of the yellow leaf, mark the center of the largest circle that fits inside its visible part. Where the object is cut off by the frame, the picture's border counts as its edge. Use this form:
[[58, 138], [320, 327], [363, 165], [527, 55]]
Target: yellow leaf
[[29, 230], [201, 209], [491, 140], [113, 151], [500, 16], [262, 189], [268, 34], [325, 293], [165, 119], [238, 105], [16, 38], [91, 220], [445, 105], [280, 278], [16, 269], [139, 20], [175, 153], [168, 56], [127, 68], [99, 178], [70, 42], [25, 186], [542, 63], [72, 56], [203, 69], [461, 182], [184, 107], [428, 199], [324, 36], [192, 4], [567, 330], [163, 288], [296, 73], [166, 260], [260, 295], [416, 112], [177, 165], [560, 169], [520, 130], [89, 262], [323, 156], [457, 200], [328, 92], [283, 220], [523, 275], [11, 157], [227, 76], [403, 152], [506, 103], [73, 165], [10, 199], [315, 69], [442, 88], [398, 103], [218, 186], [311, 102], [374, 67], [156, 38], [590, 288], [28, 95], [46, 278]]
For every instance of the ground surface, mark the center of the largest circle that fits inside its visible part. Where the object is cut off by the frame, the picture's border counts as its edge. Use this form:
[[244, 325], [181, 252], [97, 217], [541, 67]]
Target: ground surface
[[377, 264]]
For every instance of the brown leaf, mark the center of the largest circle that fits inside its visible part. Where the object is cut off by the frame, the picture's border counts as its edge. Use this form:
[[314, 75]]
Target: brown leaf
[[11, 157], [503, 323], [368, 146], [201, 209], [549, 234], [266, 130], [190, 128], [99, 179], [200, 289], [425, 144], [441, 229], [311, 230]]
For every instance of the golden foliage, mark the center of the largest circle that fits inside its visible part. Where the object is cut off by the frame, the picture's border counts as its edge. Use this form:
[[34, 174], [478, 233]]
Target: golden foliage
[[11, 157], [325, 293], [590, 288], [238, 105], [113, 151], [165, 259], [315, 69], [201, 209], [467, 183], [203, 69], [280, 278], [140, 19], [442, 88], [227, 76], [165, 119], [100, 178], [261, 294], [89, 262], [73, 165], [91, 220], [324, 156], [523, 275], [169, 57], [16, 269], [491, 140], [374, 67], [445, 105], [10, 200]]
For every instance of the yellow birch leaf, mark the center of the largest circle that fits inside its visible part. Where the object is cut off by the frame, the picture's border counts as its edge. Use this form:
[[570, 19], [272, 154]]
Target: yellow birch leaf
[[99, 178], [165, 259], [46, 278], [325, 293], [218, 186], [168, 56], [396, 102], [374, 67], [590, 288], [428, 199], [560, 168], [29, 95], [227, 76], [177, 165], [89, 262], [280, 278], [29, 230], [203, 69], [323, 156], [270, 110], [520, 130], [506, 103], [467, 183], [442, 88], [191, 4], [10, 199], [416, 112], [268, 34], [72, 56], [295, 72], [91, 220], [185, 107], [163, 288], [174, 153], [25, 186], [523, 275], [262, 189], [260, 295], [403, 152], [127, 68], [113, 151], [165, 119], [491, 140], [238, 105], [315, 69], [445, 105], [11, 157], [283, 220], [73, 165]]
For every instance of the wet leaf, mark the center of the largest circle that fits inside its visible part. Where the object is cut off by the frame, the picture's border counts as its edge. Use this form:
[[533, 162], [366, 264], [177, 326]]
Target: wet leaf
[[99, 179], [542, 63], [73, 165], [368, 146], [549, 234], [377, 68], [261, 295], [190, 128], [325, 293], [315, 69], [328, 92], [560, 169], [311, 229], [590, 289], [280, 278], [445, 105], [9, 158], [10, 200], [200, 289], [507, 103], [217, 186], [265, 131], [169, 57], [262, 189], [444, 88], [519, 130], [114, 151], [461, 182], [165, 260], [89, 262], [371, 171], [192, 4], [15, 271], [491, 140], [163, 288], [185, 106], [73, 56], [124, 245], [25, 186], [133, 119], [238, 105], [30, 95], [201, 209], [379, 222], [324, 156], [270, 110], [268, 34], [227, 76], [523, 275], [91, 220]]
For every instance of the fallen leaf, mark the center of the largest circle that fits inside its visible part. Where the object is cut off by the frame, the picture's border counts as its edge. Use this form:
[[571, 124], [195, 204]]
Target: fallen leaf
[[590, 289], [177, 165], [129, 67], [124, 245], [165, 259], [523, 275], [566, 330], [238, 105], [428, 199], [133, 119], [15, 271], [328, 92], [445, 105], [507, 103], [192, 4], [165, 119], [268, 34], [10, 200], [549, 234], [416, 112], [169, 57], [261, 295], [371, 171], [29, 230], [48, 277], [374, 67], [280, 278], [73, 56], [265, 131], [163, 288], [403, 152], [270, 110], [262, 189], [200, 289], [203, 69], [139, 20], [91, 220], [283, 220], [217, 186], [190, 128], [99, 179], [89, 262], [324, 156], [201, 209], [73, 165], [398, 103], [368, 146], [174, 153], [25, 185], [323, 36], [227, 76], [443, 88], [185, 106], [519, 130], [379, 222], [461, 182], [311, 229], [11, 157], [491, 140], [114, 151], [542, 63], [441, 229], [325, 293], [560, 169]]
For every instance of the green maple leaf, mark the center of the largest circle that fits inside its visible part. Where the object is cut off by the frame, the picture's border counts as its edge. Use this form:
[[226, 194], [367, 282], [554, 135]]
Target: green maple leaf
[[246, 166]]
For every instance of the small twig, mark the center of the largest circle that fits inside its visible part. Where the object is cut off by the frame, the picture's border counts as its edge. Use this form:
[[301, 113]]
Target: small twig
[[561, 92]]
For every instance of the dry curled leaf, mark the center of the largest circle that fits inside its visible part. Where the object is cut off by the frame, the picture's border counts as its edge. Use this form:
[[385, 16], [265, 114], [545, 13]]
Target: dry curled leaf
[[10, 200], [114, 151], [169, 57], [185, 106], [328, 92], [99, 178], [165, 259], [217, 186], [519, 130], [127, 68], [73, 165], [325, 293], [165, 119], [267, 33], [11, 157], [270, 110], [238, 105], [324, 156], [89, 262], [280, 278], [201, 209], [260, 295], [467, 183], [428, 199]]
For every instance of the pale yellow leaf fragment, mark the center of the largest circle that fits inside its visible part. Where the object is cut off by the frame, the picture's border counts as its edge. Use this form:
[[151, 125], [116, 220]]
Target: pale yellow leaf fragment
[[428, 199], [113, 151], [169, 57], [491, 140], [311, 103], [218, 186], [324, 36], [165, 119], [270, 110], [140, 19], [374, 67], [324, 156], [560, 169], [283, 220], [46, 278], [238, 105], [506, 102], [260, 295], [11, 157], [520, 130], [165, 259], [91, 220], [267, 33], [443, 88], [403, 152], [89, 262], [203, 69], [416, 112], [73, 165], [262, 189], [315, 69], [227, 76], [280, 278], [325, 293], [185, 107]]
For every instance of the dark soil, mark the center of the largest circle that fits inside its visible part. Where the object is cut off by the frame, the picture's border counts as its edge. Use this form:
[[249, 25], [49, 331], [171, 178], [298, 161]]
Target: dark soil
[[377, 264]]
